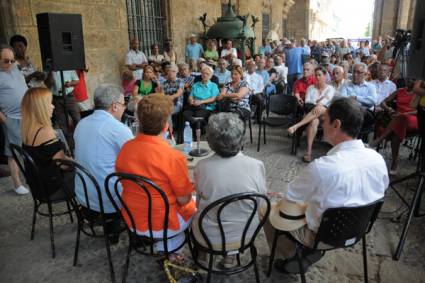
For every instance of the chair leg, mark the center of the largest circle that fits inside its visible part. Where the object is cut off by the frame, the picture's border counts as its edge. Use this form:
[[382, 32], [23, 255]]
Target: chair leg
[[210, 266], [77, 245], [127, 263], [264, 133], [259, 137], [272, 253], [108, 254], [52, 236], [300, 264], [238, 259], [34, 218], [69, 212], [364, 259], [250, 129], [257, 275]]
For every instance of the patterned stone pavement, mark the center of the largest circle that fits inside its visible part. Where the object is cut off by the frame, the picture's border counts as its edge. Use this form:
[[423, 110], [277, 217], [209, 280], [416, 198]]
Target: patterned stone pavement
[[22, 260]]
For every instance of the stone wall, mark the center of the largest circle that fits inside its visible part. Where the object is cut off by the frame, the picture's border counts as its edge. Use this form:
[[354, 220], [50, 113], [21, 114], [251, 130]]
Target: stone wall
[[104, 29], [298, 20]]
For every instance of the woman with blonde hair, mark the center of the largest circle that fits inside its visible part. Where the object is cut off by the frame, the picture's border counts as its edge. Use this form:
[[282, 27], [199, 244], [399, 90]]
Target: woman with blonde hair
[[39, 138]]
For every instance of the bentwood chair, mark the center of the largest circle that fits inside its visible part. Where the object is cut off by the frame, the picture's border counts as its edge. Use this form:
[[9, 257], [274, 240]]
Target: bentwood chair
[[142, 244], [40, 193], [341, 227], [215, 211], [89, 219]]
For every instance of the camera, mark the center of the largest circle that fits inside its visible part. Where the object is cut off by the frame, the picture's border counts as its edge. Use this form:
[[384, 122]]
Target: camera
[[402, 38]]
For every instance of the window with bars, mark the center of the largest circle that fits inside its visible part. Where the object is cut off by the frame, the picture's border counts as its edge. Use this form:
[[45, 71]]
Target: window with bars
[[266, 25], [146, 22]]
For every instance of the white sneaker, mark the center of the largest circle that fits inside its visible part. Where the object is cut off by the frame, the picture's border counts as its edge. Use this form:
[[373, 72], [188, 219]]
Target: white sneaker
[[21, 190]]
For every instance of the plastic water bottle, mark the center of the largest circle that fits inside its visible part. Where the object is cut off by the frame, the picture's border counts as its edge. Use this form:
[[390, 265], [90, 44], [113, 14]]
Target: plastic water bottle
[[187, 138]]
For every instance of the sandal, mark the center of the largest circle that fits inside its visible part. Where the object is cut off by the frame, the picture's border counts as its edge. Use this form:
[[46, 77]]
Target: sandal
[[306, 158]]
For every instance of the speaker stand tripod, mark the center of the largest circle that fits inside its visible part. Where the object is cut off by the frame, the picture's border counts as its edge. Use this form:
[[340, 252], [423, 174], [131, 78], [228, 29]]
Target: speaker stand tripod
[[414, 205]]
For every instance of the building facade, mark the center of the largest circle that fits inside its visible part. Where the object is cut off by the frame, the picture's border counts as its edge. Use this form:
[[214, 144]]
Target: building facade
[[109, 24]]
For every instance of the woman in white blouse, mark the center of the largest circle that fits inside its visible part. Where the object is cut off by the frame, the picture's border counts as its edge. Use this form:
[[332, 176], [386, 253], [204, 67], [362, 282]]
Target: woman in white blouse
[[319, 95]]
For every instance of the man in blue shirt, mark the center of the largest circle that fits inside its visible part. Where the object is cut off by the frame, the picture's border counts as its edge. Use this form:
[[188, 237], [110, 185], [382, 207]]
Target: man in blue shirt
[[265, 49], [361, 91], [222, 73], [194, 51], [98, 140], [294, 61]]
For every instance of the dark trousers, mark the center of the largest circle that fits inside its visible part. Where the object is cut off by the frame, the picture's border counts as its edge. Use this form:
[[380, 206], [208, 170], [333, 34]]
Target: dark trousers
[[112, 220], [60, 117], [192, 112]]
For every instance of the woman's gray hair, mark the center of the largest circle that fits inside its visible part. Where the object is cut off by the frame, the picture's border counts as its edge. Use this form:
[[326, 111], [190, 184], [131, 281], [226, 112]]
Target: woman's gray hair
[[105, 95], [360, 64], [209, 70], [225, 134]]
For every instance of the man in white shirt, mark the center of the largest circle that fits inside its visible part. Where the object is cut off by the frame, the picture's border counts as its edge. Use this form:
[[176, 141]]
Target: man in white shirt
[[255, 86], [349, 175], [281, 69], [384, 87], [229, 53], [135, 59]]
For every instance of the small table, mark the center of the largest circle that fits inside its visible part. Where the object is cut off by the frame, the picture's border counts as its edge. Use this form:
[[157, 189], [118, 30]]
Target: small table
[[192, 163]]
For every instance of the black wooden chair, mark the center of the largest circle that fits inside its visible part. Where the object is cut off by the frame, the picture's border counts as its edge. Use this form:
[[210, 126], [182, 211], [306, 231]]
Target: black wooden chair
[[246, 242], [142, 244], [39, 192], [286, 107], [89, 219], [340, 227]]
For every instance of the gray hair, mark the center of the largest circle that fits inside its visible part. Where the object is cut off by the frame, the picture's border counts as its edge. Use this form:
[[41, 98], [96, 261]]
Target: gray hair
[[5, 46], [105, 95], [225, 134], [361, 64], [209, 70], [173, 67], [182, 65]]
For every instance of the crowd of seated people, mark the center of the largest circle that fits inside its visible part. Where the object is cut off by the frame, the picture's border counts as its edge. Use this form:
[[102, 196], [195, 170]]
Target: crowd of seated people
[[332, 82]]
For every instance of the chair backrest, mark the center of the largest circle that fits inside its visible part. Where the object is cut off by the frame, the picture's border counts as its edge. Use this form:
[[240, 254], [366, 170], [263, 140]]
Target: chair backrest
[[30, 171], [282, 104], [251, 198], [80, 172], [345, 226], [150, 189]]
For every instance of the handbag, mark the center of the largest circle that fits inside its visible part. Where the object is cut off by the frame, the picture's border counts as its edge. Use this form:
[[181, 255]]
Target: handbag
[[180, 274]]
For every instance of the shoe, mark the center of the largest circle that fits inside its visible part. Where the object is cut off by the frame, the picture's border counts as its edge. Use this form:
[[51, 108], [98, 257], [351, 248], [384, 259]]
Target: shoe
[[21, 190], [306, 158], [228, 262]]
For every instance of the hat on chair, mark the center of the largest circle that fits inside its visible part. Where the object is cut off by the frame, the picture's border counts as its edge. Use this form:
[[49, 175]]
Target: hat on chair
[[287, 216]]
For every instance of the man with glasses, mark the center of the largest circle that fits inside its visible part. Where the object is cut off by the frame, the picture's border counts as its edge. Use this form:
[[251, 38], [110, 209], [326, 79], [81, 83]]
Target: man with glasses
[[361, 91], [98, 140], [12, 90]]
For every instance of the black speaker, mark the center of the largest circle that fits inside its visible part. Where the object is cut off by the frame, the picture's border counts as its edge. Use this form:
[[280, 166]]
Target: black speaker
[[61, 41], [416, 62]]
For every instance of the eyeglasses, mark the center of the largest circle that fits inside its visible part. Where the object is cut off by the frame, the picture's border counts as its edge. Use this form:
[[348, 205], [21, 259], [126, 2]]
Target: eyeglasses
[[122, 104], [358, 72], [8, 61]]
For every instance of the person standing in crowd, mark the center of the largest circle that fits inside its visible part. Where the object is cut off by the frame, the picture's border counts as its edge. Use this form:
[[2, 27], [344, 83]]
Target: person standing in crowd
[[155, 56], [294, 61], [301, 85], [222, 73], [342, 49], [211, 53], [33, 77], [202, 98], [362, 50], [135, 59], [80, 92], [265, 48], [71, 108], [229, 53], [318, 97], [282, 73], [105, 128], [12, 90], [384, 87], [194, 51], [361, 175], [149, 155], [316, 51], [377, 44], [169, 54], [263, 72]]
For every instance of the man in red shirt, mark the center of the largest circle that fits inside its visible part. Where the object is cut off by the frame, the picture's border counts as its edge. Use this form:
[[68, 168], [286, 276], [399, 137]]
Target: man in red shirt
[[301, 85]]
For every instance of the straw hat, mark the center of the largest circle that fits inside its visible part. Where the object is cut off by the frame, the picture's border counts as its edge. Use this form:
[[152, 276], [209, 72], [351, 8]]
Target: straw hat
[[287, 216]]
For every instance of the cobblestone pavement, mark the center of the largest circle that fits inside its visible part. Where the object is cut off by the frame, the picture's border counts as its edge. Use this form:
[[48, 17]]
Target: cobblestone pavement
[[22, 260]]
